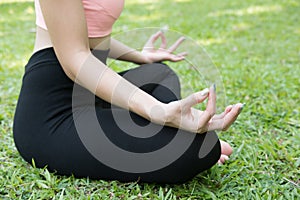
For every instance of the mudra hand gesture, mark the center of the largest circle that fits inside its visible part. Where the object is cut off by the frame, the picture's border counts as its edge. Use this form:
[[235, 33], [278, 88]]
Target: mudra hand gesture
[[181, 114], [162, 53]]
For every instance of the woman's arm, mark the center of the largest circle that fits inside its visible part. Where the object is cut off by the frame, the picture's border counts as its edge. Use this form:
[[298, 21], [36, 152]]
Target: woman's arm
[[66, 25]]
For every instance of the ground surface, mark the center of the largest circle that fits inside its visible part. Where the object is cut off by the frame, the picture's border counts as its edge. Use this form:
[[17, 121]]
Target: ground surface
[[255, 47]]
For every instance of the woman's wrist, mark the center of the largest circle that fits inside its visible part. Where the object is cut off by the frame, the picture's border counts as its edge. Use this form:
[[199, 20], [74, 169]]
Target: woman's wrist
[[158, 114], [145, 58], [140, 58], [122, 52], [148, 107]]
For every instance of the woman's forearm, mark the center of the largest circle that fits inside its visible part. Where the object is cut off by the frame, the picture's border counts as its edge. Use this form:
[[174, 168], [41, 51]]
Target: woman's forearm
[[120, 51], [108, 85]]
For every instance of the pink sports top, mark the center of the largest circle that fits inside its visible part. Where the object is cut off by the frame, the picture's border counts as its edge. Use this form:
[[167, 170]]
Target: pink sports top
[[100, 15]]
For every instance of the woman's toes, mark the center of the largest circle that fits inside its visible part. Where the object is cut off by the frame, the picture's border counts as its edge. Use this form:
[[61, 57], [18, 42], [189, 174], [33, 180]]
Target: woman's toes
[[226, 151], [226, 148], [223, 159]]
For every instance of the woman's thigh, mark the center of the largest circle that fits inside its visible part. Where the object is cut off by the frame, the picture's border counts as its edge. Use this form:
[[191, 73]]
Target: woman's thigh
[[117, 148], [157, 79]]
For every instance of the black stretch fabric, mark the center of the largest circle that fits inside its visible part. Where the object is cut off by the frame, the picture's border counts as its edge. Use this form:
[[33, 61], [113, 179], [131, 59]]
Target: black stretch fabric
[[45, 130]]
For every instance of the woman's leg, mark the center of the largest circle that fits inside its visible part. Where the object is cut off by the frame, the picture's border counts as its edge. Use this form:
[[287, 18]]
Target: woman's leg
[[45, 128]]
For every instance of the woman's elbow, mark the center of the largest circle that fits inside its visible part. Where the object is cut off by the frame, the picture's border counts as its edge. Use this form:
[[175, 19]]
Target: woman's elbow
[[72, 61]]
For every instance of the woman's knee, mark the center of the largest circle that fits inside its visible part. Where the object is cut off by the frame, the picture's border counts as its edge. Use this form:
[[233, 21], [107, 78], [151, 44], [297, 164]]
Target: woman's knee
[[168, 75], [164, 69], [210, 146]]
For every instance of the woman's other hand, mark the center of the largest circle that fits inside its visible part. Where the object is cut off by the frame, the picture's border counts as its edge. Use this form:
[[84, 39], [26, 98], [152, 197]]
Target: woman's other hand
[[162, 53]]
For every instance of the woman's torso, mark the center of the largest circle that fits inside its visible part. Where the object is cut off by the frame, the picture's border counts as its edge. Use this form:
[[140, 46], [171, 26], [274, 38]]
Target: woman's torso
[[106, 11]]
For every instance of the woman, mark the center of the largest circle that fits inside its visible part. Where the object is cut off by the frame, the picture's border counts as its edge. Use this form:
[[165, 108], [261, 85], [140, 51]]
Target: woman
[[65, 81]]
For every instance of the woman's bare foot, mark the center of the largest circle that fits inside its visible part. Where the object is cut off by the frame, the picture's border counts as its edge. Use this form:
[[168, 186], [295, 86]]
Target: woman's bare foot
[[226, 151]]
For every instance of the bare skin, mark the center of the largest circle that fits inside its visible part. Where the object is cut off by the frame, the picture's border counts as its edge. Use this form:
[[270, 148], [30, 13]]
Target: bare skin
[[67, 34], [226, 151]]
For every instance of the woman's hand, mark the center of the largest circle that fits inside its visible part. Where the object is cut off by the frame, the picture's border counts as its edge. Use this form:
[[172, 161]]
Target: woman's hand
[[181, 114], [152, 54]]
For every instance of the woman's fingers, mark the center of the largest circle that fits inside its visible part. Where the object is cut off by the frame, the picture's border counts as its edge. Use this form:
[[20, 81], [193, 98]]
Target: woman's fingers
[[194, 99], [176, 44], [220, 116], [225, 122], [182, 54], [210, 107], [202, 121], [178, 57], [163, 40], [155, 37], [175, 58], [152, 39], [163, 47]]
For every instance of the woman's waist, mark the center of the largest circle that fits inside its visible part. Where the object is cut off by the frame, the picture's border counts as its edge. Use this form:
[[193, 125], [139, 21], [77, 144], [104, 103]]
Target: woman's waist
[[43, 41], [44, 53], [47, 56]]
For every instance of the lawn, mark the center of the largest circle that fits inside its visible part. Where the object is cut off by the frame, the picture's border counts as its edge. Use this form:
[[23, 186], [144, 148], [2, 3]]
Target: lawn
[[254, 45]]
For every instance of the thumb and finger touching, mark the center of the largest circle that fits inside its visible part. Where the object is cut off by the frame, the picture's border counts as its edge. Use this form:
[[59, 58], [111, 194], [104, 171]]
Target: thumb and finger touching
[[208, 120], [194, 99], [172, 57]]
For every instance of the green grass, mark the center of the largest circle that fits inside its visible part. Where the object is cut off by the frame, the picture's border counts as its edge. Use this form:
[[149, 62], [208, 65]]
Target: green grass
[[255, 45]]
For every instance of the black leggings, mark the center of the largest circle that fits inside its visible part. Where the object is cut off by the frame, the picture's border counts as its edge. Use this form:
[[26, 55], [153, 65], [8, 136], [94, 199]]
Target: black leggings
[[50, 115]]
